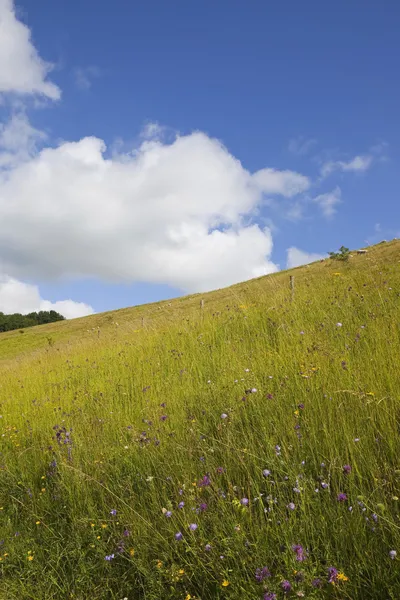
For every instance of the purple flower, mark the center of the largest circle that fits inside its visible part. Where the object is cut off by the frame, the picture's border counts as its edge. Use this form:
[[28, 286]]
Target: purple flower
[[341, 497], [113, 512], [220, 470], [261, 574], [168, 514], [270, 596], [224, 416], [375, 517], [266, 472], [109, 557], [300, 554], [286, 586], [347, 469], [181, 504], [203, 507], [244, 502], [324, 485], [126, 533], [269, 396], [207, 547], [277, 450], [393, 554], [178, 536], [291, 506], [163, 418], [317, 583], [205, 481], [193, 526], [253, 390], [163, 404], [332, 574], [300, 406]]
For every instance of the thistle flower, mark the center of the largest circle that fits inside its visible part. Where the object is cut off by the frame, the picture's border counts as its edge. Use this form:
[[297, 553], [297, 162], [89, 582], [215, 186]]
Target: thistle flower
[[300, 553], [347, 469], [261, 574], [286, 586], [341, 497]]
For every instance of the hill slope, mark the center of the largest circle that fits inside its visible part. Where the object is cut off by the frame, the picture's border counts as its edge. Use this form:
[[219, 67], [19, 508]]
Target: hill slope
[[178, 453]]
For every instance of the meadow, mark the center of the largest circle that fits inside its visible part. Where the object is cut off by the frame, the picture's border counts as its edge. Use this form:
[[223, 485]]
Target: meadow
[[249, 449]]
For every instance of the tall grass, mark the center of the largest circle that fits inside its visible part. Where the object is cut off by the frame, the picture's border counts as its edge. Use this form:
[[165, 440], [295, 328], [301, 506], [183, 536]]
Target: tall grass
[[271, 424]]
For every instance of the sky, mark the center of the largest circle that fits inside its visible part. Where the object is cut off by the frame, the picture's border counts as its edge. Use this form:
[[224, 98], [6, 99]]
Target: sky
[[154, 149]]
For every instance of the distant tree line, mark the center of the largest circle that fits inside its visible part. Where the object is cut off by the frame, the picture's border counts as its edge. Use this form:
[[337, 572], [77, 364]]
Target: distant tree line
[[18, 321]]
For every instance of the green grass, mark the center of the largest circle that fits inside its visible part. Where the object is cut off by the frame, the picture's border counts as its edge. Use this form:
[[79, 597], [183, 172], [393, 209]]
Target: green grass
[[81, 435]]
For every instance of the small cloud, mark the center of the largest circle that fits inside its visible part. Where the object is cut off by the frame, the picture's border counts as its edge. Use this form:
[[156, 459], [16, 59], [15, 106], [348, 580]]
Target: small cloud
[[297, 257], [83, 76], [327, 202], [152, 131], [19, 297], [358, 164], [301, 145]]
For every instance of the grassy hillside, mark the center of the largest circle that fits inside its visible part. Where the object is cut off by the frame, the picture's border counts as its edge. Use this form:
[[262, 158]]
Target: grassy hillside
[[242, 451]]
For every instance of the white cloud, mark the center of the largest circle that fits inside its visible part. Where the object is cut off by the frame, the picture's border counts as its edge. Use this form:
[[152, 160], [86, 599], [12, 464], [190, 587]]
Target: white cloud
[[167, 213], [296, 257], [84, 76], [327, 202], [358, 164], [21, 69], [19, 297], [301, 146], [18, 140]]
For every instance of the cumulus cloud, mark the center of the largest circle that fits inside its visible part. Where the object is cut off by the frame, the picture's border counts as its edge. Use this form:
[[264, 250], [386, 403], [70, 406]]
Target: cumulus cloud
[[19, 297], [327, 202], [297, 257], [22, 70], [358, 164], [18, 140], [167, 213]]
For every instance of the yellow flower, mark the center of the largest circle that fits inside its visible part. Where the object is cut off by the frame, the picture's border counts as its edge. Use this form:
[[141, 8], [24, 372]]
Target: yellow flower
[[342, 577], [30, 557], [132, 552], [104, 525], [159, 564], [37, 522], [98, 537], [188, 597], [296, 414], [337, 273], [43, 477], [181, 571], [225, 583], [92, 525], [43, 490]]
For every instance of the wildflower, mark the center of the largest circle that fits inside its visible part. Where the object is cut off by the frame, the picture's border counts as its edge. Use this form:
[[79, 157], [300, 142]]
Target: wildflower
[[132, 552], [178, 536], [168, 514], [109, 557], [205, 481], [347, 469], [163, 418], [207, 547], [277, 450], [37, 522], [225, 583], [393, 554], [261, 574], [266, 472], [244, 502], [181, 504], [300, 554], [338, 324], [193, 526], [30, 557], [341, 497], [188, 597], [356, 439], [270, 596], [291, 506], [220, 470], [159, 564], [342, 577], [324, 485], [374, 517], [203, 507], [317, 583], [126, 533], [103, 525], [286, 586], [332, 574], [253, 390], [113, 512], [224, 416]]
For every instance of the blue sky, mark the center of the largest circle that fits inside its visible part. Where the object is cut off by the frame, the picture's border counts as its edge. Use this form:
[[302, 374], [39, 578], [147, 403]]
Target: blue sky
[[304, 88]]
